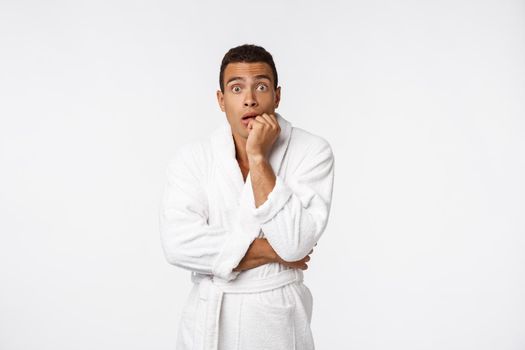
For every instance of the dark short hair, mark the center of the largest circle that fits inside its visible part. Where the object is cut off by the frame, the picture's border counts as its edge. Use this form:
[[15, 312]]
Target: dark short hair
[[250, 54]]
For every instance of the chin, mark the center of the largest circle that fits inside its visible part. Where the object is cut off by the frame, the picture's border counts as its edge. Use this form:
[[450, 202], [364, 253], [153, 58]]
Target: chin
[[241, 132]]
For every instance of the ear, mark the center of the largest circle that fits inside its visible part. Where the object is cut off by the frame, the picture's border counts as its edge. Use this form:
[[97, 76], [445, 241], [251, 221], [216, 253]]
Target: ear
[[277, 96], [220, 99]]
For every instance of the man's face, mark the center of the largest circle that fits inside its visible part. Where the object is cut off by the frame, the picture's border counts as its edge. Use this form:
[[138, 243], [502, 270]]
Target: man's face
[[248, 88]]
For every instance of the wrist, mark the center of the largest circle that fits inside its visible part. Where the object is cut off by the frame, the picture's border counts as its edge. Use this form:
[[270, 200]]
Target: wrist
[[267, 251], [256, 158]]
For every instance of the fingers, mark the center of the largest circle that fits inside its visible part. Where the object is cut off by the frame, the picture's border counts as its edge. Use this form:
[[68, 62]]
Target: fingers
[[299, 264], [303, 265], [262, 119], [268, 119]]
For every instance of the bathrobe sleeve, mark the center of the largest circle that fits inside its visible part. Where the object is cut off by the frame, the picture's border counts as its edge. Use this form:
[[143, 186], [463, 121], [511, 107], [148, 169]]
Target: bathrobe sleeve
[[188, 241], [295, 214]]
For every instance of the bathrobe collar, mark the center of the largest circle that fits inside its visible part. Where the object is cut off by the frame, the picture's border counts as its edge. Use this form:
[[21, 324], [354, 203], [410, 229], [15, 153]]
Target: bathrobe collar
[[224, 152]]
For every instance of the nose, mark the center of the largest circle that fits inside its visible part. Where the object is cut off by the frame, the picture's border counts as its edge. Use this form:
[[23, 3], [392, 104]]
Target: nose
[[249, 99]]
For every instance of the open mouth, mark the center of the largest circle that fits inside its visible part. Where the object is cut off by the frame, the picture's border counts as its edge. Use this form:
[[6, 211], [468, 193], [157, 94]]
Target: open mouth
[[249, 115]]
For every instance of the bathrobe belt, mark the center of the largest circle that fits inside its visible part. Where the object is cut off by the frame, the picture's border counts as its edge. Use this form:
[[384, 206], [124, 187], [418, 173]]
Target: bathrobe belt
[[212, 290]]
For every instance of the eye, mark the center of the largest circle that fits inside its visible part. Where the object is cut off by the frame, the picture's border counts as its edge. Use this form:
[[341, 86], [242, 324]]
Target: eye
[[264, 87], [236, 88]]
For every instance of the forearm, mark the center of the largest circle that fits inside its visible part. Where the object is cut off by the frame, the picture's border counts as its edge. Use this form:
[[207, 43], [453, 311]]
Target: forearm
[[259, 253], [262, 178], [296, 211]]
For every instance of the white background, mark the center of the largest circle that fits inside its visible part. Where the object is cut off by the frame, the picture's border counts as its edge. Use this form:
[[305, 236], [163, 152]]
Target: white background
[[423, 104]]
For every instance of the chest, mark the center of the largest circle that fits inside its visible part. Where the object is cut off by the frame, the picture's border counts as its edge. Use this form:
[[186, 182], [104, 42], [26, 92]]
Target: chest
[[244, 170], [226, 180]]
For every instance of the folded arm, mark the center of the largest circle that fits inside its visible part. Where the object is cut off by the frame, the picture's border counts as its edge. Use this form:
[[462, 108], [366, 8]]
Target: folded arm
[[261, 252], [188, 241], [294, 213]]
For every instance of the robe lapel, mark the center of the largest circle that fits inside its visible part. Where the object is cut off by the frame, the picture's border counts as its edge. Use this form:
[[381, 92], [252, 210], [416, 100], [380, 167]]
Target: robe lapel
[[224, 152]]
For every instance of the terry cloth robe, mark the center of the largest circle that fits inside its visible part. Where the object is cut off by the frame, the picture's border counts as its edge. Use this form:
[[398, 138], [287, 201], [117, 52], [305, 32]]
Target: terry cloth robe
[[208, 220]]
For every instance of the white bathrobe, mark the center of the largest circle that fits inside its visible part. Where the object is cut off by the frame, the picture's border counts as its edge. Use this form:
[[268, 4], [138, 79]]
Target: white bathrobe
[[208, 220]]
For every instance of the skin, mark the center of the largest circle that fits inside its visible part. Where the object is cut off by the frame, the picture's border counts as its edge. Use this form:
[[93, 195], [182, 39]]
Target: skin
[[249, 87]]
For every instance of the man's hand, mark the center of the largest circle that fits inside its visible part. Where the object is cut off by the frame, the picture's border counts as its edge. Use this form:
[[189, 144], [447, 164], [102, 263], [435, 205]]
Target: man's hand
[[264, 131], [299, 264], [261, 252]]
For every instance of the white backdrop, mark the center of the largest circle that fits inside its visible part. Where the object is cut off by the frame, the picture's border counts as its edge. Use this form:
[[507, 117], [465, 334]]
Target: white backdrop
[[422, 102]]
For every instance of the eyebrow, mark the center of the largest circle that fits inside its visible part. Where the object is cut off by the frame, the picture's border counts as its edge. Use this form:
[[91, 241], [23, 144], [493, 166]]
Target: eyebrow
[[257, 77]]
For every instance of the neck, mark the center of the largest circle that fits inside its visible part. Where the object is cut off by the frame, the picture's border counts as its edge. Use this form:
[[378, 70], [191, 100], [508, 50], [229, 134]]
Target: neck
[[240, 150]]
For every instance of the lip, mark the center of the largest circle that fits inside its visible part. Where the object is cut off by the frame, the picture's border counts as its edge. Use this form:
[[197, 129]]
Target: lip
[[250, 114], [247, 116], [246, 121]]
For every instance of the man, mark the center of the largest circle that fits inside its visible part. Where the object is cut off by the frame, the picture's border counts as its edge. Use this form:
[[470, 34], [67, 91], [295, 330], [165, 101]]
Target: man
[[242, 210]]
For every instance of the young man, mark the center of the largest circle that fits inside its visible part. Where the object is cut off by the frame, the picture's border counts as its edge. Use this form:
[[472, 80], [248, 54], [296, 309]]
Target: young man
[[242, 210]]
